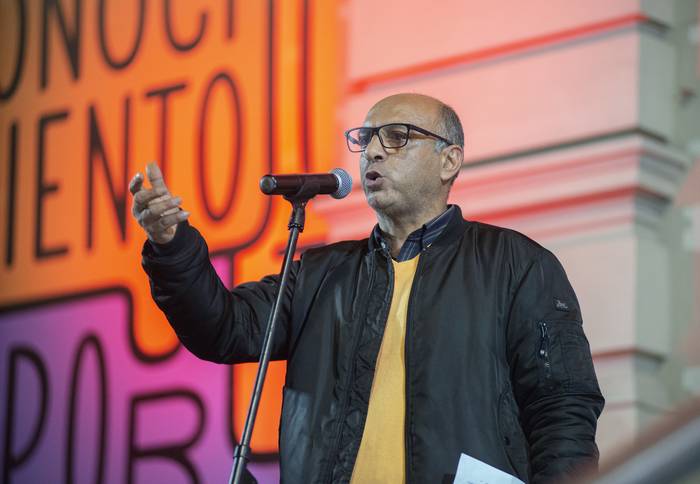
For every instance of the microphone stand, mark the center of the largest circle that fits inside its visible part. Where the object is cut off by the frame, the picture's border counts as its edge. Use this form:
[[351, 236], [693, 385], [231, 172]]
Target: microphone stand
[[295, 226]]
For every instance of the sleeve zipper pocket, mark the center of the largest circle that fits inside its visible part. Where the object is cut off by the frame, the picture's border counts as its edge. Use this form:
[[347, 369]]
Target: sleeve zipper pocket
[[544, 350]]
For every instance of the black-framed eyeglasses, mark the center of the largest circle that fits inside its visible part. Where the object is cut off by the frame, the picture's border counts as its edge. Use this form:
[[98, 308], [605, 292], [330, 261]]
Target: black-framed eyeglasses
[[393, 135]]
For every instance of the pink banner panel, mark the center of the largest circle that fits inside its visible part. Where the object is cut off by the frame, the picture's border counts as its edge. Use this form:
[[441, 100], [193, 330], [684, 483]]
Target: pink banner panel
[[78, 403]]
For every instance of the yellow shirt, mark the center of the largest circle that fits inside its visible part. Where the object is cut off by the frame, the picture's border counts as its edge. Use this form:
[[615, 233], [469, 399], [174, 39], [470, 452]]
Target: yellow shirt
[[382, 457]]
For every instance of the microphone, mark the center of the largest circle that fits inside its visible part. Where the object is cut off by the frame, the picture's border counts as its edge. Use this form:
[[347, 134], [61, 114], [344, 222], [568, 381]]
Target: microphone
[[337, 183]]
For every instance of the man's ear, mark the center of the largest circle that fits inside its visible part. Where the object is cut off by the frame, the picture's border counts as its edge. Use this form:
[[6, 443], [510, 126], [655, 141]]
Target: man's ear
[[451, 162]]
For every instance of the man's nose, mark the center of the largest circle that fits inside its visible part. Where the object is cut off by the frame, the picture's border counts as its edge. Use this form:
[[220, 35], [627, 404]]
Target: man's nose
[[375, 151]]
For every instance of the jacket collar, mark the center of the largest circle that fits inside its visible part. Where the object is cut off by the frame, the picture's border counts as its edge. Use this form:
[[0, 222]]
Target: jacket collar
[[453, 229]]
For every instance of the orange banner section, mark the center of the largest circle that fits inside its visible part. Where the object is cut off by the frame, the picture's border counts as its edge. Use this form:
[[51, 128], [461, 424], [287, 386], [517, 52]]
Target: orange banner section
[[218, 92]]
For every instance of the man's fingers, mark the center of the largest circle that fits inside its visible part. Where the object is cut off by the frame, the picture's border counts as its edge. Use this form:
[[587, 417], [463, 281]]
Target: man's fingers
[[171, 210], [167, 221], [143, 197], [155, 211], [159, 199], [155, 176], [136, 183]]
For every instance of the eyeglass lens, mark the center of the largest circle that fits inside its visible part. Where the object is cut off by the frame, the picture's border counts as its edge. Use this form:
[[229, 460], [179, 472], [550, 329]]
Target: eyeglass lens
[[390, 136]]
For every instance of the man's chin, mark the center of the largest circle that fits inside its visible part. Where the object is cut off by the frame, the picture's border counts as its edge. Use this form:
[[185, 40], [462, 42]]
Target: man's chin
[[377, 200]]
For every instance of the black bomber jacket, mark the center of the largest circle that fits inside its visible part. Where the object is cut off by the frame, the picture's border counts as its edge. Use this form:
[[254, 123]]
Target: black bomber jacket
[[497, 363]]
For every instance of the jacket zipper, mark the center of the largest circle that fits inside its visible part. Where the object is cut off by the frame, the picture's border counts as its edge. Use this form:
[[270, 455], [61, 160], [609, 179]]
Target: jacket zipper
[[356, 342], [409, 315], [544, 350]]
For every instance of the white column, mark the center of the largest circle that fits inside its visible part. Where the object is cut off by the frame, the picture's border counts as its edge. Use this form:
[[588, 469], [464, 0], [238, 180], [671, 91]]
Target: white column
[[577, 118]]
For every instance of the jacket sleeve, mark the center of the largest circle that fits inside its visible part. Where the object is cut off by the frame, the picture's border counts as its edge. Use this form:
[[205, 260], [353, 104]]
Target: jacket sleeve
[[212, 322], [552, 372]]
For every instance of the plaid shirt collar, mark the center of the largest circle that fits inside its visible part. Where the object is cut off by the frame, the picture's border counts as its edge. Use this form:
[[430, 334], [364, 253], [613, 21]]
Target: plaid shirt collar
[[420, 239]]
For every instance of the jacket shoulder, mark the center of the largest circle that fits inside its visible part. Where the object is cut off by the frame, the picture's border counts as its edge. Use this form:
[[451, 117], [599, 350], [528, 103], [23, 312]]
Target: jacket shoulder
[[491, 233], [519, 250]]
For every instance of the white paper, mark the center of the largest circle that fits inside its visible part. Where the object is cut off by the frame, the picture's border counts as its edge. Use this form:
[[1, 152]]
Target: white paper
[[473, 471]]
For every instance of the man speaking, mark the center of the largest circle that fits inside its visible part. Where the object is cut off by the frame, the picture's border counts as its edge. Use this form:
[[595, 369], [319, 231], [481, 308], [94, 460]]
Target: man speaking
[[432, 338]]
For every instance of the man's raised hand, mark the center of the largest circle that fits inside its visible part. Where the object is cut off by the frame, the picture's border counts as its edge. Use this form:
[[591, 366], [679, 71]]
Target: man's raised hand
[[155, 209]]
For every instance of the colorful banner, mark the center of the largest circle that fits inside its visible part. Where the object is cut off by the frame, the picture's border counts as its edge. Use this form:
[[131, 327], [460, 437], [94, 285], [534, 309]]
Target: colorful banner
[[94, 383]]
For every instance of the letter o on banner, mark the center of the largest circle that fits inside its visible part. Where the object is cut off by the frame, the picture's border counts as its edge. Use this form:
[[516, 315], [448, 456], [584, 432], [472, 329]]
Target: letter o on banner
[[227, 84]]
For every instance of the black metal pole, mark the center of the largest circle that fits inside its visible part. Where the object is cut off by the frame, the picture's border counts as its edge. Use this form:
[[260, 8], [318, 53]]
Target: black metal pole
[[295, 226]]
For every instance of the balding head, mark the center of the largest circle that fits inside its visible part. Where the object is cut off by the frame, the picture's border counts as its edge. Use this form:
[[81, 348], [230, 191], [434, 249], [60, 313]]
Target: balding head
[[442, 119], [418, 101]]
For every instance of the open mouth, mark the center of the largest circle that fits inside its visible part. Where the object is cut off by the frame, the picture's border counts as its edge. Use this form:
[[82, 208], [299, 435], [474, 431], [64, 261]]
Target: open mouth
[[372, 175]]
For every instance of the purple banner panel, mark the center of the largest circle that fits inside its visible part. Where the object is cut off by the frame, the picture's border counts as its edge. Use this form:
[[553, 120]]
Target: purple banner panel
[[78, 405]]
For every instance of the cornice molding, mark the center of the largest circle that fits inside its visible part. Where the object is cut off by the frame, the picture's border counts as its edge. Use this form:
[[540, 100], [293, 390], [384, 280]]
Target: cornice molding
[[616, 183]]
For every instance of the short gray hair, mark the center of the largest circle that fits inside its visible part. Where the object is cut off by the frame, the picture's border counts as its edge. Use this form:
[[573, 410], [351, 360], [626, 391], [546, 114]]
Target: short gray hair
[[450, 127]]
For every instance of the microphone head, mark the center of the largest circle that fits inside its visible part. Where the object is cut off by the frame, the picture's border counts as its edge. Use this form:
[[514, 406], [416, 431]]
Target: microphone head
[[268, 184], [344, 183]]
